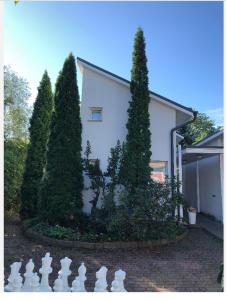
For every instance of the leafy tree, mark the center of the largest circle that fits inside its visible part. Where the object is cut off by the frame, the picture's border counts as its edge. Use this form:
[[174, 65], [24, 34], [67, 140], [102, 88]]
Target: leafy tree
[[136, 169], [16, 119], [15, 151], [16, 109], [36, 157], [198, 130], [61, 192]]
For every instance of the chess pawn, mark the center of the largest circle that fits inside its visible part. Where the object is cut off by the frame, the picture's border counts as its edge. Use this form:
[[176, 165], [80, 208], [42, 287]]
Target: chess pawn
[[15, 267], [76, 285], [58, 285], [101, 283], [117, 284], [17, 283], [82, 277], [28, 276], [45, 271], [35, 283], [65, 272]]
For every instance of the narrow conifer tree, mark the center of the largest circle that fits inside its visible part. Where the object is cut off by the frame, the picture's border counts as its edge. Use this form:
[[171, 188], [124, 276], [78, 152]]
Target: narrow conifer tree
[[61, 192], [136, 167], [36, 156]]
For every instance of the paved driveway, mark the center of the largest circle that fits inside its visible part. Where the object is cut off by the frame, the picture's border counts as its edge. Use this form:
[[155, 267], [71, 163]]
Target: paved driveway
[[190, 265]]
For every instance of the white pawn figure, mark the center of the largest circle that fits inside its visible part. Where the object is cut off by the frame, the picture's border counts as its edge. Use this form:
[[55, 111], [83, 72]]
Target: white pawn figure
[[45, 271], [15, 267], [101, 283], [35, 283], [117, 284], [65, 272], [82, 277], [78, 285], [28, 276], [58, 285], [17, 283]]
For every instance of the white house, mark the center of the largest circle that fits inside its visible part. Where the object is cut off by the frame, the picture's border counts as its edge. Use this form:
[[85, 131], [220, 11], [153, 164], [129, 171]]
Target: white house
[[203, 175], [104, 102]]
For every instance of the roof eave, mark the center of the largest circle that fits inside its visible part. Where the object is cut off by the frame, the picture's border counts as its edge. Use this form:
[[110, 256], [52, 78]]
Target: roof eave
[[162, 99]]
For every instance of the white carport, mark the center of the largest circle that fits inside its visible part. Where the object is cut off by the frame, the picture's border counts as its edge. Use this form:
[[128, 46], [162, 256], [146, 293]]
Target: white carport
[[203, 178]]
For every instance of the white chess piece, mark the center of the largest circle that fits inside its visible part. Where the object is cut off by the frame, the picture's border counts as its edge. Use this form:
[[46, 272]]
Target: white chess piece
[[101, 283], [117, 284], [15, 267], [82, 277], [35, 283], [28, 276], [45, 271], [17, 283], [65, 272], [58, 285], [78, 285]]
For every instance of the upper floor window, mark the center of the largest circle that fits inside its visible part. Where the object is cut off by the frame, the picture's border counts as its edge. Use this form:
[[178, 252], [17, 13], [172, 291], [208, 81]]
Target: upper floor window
[[96, 114], [159, 170]]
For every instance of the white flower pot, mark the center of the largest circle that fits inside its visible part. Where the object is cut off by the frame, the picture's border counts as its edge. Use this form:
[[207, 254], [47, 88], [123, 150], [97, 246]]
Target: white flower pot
[[192, 217]]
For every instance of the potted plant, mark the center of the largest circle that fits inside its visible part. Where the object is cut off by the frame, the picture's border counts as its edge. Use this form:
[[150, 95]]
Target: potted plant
[[192, 215]]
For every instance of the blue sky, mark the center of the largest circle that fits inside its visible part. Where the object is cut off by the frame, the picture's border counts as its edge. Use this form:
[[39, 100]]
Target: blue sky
[[184, 44]]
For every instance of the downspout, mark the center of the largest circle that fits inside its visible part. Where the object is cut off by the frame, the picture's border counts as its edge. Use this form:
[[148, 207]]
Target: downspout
[[171, 138]]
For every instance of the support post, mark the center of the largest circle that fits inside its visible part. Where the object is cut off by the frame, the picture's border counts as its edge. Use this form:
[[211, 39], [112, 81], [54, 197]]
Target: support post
[[175, 154], [222, 183], [197, 186], [180, 166]]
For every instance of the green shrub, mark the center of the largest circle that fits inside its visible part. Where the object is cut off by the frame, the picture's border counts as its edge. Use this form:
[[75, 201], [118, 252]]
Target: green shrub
[[15, 151], [57, 232]]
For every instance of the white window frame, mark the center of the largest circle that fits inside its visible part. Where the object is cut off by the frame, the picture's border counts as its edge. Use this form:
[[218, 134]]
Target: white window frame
[[93, 110]]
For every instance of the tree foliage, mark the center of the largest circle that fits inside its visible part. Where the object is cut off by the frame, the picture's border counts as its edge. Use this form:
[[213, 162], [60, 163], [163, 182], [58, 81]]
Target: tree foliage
[[16, 109], [16, 119], [136, 169], [36, 157], [198, 130], [61, 192], [15, 151]]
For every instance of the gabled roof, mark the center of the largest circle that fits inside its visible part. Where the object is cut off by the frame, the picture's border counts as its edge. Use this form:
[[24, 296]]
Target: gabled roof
[[127, 82], [210, 137]]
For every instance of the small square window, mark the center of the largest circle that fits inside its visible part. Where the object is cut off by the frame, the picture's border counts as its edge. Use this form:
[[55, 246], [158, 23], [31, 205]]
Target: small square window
[[96, 114], [159, 170]]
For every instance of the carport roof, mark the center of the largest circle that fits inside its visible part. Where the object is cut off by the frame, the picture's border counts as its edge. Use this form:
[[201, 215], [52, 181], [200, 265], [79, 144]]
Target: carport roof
[[194, 153]]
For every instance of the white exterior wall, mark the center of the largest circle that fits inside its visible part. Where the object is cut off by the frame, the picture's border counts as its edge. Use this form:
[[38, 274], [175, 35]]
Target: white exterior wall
[[210, 187], [114, 97]]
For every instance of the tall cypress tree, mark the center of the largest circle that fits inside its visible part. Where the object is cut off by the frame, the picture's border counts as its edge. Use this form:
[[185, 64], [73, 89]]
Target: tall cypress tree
[[61, 192], [138, 141], [36, 156]]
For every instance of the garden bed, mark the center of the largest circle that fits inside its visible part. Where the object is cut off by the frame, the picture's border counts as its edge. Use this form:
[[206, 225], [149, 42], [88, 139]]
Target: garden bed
[[151, 244]]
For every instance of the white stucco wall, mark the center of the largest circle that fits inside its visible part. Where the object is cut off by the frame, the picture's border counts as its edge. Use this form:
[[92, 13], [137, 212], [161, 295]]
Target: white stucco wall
[[114, 97], [210, 187]]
